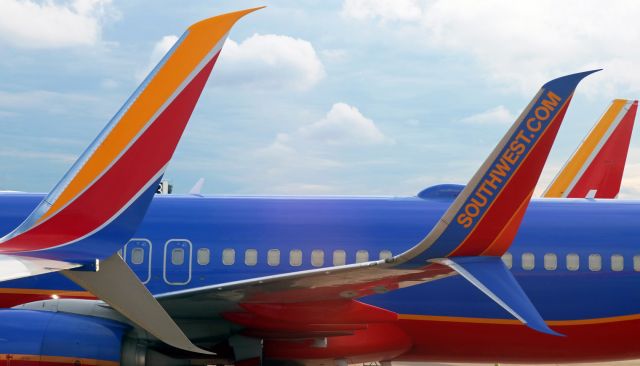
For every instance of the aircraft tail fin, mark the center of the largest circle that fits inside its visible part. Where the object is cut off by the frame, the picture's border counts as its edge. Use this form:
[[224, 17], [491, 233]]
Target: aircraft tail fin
[[595, 169], [98, 204]]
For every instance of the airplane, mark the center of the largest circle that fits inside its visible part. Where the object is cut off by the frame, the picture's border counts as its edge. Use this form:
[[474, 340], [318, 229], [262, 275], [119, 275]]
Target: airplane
[[488, 275], [595, 169]]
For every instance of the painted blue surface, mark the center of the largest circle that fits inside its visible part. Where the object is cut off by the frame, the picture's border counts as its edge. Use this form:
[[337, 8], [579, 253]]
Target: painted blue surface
[[491, 276], [375, 224], [59, 334]]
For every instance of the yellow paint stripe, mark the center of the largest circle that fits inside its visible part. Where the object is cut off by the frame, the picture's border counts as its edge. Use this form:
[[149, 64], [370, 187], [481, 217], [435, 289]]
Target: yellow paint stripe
[[561, 183], [455, 319], [22, 291], [200, 40], [57, 359]]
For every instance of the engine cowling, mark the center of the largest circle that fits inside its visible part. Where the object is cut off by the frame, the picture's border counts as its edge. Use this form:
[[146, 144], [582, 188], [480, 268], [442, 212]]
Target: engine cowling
[[33, 337]]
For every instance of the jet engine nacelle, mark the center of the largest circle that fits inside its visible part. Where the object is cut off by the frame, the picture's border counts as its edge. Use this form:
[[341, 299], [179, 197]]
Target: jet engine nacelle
[[46, 337]]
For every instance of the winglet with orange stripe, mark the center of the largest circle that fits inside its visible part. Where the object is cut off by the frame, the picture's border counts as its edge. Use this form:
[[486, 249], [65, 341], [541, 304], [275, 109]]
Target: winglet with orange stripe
[[485, 216], [595, 169], [84, 217], [482, 221]]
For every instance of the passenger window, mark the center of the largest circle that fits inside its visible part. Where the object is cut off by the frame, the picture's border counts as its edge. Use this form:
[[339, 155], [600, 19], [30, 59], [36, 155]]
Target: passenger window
[[507, 258], [362, 256], [250, 257], [203, 256], [573, 262], [385, 254], [550, 262], [295, 257], [528, 261], [228, 256], [617, 262], [177, 256], [339, 257], [636, 263], [137, 256], [317, 257], [273, 257], [595, 262]]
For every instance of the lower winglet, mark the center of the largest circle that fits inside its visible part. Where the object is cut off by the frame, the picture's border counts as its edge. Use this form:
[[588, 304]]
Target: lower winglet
[[493, 278]]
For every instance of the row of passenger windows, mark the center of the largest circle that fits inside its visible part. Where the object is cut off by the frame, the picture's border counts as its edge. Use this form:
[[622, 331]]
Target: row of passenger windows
[[203, 257], [339, 257], [572, 262]]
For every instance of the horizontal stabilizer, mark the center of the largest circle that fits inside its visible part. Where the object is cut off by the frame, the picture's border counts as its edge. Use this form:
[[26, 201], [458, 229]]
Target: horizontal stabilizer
[[491, 276]]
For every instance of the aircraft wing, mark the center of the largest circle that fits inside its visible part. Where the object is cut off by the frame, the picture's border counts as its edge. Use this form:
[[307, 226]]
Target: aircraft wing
[[595, 169], [469, 239]]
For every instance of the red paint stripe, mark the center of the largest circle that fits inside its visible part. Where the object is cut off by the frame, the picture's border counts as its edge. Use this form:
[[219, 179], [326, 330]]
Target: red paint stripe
[[518, 188], [480, 342], [112, 191], [604, 174]]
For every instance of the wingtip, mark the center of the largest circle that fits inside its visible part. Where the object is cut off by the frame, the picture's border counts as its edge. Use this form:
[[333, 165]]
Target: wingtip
[[544, 328], [569, 82], [228, 19]]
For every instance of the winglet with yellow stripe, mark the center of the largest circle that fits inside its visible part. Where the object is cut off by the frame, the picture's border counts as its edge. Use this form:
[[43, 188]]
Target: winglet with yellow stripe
[[84, 218], [595, 169]]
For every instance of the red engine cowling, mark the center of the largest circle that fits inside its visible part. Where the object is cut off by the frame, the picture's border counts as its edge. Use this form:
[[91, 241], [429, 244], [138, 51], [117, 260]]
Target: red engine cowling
[[382, 341]]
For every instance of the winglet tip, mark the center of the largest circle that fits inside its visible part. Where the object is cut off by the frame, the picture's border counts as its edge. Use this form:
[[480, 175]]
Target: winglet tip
[[228, 19], [544, 328], [568, 82]]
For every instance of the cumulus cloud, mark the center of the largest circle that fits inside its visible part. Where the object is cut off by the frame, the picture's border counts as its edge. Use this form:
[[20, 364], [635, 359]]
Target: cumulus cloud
[[496, 115], [295, 161], [267, 61], [271, 61], [49, 24], [384, 10], [343, 124], [521, 44]]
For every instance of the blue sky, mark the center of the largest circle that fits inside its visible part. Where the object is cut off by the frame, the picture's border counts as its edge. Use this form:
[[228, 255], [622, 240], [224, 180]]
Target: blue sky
[[365, 97]]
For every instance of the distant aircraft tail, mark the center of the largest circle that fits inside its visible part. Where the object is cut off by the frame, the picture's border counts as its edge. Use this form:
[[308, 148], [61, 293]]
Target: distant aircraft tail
[[98, 204], [595, 169]]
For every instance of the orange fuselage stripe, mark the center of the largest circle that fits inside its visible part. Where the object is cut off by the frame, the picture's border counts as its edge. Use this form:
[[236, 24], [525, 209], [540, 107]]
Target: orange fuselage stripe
[[455, 319], [55, 360]]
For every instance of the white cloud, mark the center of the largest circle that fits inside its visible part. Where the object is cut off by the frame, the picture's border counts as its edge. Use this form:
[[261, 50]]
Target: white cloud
[[49, 24], [385, 10], [271, 61], [159, 50], [342, 125], [295, 161], [519, 45], [496, 115], [267, 61]]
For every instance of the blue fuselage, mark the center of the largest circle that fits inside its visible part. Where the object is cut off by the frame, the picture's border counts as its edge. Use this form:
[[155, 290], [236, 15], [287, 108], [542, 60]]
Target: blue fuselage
[[181, 242]]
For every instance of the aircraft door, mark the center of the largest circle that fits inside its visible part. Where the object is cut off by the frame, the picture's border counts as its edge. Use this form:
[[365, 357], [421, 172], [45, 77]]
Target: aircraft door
[[137, 254], [177, 262]]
